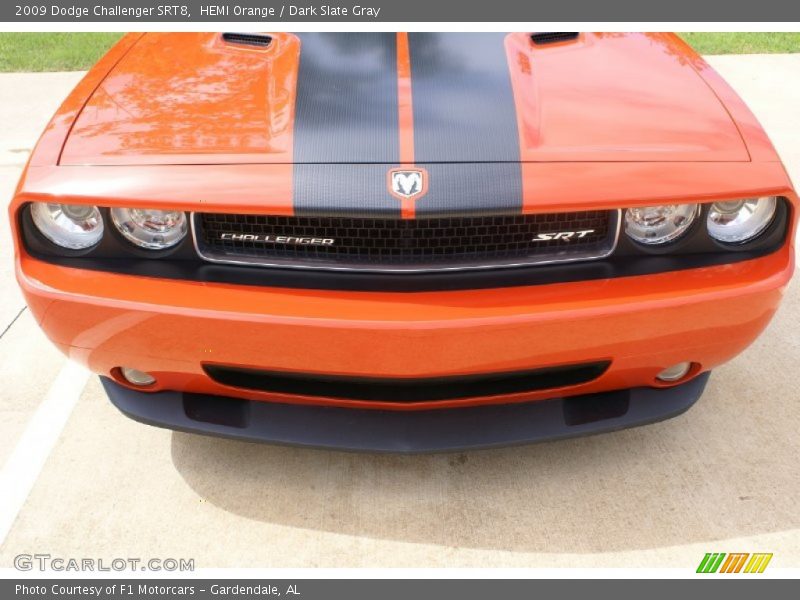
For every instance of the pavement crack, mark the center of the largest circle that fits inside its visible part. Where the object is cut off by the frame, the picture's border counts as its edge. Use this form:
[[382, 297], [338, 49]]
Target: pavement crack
[[14, 320]]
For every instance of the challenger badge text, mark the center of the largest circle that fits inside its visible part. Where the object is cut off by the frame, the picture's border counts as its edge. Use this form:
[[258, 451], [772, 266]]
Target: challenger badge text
[[276, 239]]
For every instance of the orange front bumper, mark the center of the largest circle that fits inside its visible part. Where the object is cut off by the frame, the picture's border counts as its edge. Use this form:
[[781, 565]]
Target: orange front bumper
[[171, 328]]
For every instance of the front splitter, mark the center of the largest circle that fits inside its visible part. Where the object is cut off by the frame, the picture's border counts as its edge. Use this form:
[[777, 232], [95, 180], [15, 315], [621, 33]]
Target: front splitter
[[442, 430]]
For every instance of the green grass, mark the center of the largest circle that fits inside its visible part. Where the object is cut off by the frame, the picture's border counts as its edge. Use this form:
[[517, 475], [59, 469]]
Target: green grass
[[79, 51], [743, 43], [53, 51]]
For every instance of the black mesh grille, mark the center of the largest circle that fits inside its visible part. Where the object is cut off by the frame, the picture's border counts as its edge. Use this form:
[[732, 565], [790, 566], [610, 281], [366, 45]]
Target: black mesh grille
[[413, 243], [551, 37]]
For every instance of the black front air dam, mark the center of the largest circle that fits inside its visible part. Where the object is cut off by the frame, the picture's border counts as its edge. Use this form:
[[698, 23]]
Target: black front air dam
[[439, 430]]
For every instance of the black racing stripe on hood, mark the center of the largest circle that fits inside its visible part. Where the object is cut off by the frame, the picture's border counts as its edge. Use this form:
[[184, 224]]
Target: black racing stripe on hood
[[345, 118], [471, 189], [464, 112], [335, 189]]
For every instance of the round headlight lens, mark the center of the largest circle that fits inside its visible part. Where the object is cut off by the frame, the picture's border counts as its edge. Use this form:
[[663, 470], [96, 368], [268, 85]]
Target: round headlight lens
[[150, 228], [739, 221], [72, 226], [653, 225]]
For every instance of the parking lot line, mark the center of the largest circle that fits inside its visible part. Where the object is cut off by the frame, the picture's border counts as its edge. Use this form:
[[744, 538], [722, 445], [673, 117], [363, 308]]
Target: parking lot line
[[23, 466], [14, 320]]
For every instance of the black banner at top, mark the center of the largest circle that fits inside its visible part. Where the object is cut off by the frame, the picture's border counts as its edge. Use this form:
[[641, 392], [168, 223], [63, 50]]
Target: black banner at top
[[403, 11]]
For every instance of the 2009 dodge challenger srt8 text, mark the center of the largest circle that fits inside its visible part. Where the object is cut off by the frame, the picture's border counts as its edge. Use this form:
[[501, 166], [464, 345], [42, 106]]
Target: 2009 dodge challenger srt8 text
[[403, 242]]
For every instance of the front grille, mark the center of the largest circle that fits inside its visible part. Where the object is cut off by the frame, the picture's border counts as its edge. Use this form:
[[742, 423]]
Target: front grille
[[398, 244]]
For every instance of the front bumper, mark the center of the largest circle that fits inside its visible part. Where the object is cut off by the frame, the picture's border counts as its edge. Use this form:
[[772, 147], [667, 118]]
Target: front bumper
[[175, 330], [414, 431]]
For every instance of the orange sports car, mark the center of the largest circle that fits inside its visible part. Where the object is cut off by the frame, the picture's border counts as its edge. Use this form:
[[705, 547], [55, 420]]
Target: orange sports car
[[403, 242]]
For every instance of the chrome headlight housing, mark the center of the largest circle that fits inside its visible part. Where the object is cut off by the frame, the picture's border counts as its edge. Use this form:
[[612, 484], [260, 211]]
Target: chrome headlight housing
[[656, 225], [71, 226], [739, 221], [150, 228]]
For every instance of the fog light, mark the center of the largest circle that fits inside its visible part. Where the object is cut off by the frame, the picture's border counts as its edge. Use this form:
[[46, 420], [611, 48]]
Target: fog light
[[136, 377], [675, 372]]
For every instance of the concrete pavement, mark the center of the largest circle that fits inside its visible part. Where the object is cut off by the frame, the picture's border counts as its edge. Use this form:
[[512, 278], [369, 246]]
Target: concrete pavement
[[27, 361], [723, 477], [768, 83]]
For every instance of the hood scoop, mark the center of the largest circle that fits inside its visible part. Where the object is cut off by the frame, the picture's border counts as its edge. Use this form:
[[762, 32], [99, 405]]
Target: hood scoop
[[247, 39], [553, 37]]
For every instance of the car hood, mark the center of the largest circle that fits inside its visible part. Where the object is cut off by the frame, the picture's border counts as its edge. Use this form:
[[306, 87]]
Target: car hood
[[193, 98]]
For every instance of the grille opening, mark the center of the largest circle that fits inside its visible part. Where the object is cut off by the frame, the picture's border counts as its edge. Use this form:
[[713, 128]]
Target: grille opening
[[248, 39], [552, 37], [404, 390], [391, 244]]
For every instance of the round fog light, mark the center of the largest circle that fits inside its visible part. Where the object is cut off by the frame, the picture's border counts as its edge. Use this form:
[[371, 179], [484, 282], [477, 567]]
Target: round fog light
[[136, 377], [675, 372]]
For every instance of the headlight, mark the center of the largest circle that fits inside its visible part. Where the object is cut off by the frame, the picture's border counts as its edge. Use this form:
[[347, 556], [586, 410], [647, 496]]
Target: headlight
[[655, 225], [738, 221], [150, 228], [72, 226]]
